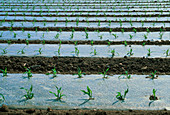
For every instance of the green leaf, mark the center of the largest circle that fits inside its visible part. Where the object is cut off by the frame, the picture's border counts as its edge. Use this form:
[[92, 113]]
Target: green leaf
[[84, 92], [53, 93], [107, 69]]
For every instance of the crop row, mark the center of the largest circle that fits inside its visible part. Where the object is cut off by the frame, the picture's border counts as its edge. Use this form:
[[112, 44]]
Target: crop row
[[84, 50], [83, 36], [42, 90], [106, 19]]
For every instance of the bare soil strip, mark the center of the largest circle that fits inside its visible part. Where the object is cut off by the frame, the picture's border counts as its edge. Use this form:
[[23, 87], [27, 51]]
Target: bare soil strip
[[69, 65], [4, 110], [139, 29], [54, 15], [88, 42]]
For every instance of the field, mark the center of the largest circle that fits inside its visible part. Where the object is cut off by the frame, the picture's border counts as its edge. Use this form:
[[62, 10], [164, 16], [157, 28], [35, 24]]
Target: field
[[87, 56]]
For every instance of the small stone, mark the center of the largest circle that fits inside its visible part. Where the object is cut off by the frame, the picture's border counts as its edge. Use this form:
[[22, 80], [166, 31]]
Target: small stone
[[49, 109], [4, 108], [30, 110]]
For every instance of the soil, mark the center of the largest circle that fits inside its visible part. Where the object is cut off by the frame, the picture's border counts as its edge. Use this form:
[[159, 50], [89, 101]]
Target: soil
[[117, 29], [4, 110], [88, 42], [88, 65]]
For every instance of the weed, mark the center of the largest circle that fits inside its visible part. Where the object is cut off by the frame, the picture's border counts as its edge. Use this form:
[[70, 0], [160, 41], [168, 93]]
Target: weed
[[59, 94], [80, 74], [126, 75], [4, 72], [104, 74], [121, 97], [89, 93], [29, 94]]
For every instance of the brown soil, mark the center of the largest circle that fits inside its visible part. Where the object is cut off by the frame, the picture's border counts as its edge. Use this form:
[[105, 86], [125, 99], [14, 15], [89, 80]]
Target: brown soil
[[69, 65], [118, 29], [90, 15], [4, 110], [148, 42]]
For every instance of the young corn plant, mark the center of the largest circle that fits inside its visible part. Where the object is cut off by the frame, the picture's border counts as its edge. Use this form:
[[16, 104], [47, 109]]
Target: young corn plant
[[76, 51], [149, 52], [2, 97], [21, 51], [80, 73], [27, 42], [134, 30], [104, 74], [167, 53], [115, 36], [160, 35], [39, 51], [131, 36], [130, 53], [126, 75], [29, 35], [153, 96], [4, 51], [88, 92], [125, 43], [121, 97], [59, 94], [145, 36], [4, 72], [29, 94], [153, 75], [28, 72], [57, 36], [54, 72], [113, 52], [94, 52]]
